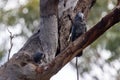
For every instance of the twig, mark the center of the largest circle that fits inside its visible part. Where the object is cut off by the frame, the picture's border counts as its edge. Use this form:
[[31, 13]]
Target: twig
[[11, 44]]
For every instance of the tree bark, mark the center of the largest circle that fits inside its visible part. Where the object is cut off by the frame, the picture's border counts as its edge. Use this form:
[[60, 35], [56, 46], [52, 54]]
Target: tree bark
[[52, 38]]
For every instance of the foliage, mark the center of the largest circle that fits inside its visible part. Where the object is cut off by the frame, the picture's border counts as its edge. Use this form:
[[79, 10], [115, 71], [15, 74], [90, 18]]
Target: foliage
[[29, 13], [25, 15], [110, 39]]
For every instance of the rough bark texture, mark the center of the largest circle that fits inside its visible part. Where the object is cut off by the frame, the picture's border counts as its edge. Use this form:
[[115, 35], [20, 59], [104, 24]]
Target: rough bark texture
[[66, 9], [54, 31], [49, 28]]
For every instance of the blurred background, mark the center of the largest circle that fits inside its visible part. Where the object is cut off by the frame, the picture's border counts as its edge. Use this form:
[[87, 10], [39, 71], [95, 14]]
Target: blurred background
[[100, 60]]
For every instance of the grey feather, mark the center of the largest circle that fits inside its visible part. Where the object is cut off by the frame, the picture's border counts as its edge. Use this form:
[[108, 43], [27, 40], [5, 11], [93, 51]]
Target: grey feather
[[78, 27]]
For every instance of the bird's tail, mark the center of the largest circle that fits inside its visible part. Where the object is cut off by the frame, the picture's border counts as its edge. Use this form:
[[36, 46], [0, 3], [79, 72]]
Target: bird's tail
[[77, 70]]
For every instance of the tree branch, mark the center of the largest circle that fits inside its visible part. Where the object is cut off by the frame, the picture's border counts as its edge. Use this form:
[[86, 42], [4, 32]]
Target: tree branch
[[22, 66], [83, 41]]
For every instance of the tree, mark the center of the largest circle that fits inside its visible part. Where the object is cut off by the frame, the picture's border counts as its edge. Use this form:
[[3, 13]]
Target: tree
[[55, 24]]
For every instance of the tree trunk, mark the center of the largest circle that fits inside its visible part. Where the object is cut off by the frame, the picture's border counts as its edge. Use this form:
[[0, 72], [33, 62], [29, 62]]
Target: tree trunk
[[51, 38]]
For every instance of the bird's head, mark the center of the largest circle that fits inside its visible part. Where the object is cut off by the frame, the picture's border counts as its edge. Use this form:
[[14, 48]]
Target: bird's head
[[79, 16], [38, 56]]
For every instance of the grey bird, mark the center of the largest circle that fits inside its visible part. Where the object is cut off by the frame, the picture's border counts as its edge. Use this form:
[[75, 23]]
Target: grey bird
[[78, 28], [38, 56]]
